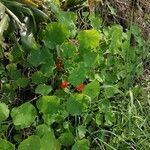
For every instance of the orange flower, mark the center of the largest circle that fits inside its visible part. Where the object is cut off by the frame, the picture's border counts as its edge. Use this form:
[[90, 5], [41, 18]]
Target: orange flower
[[64, 84], [80, 87]]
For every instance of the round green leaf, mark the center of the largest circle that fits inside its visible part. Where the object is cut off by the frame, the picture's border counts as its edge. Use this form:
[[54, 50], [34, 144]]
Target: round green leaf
[[13, 72], [78, 75], [4, 112], [47, 70], [5, 145], [39, 56], [31, 143], [92, 89], [47, 137], [39, 78], [66, 139], [43, 89], [74, 107], [36, 57], [68, 50], [22, 82], [54, 34], [15, 54], [89, 39], [24, 115], [48, 104], [69, 19], [90, 59]]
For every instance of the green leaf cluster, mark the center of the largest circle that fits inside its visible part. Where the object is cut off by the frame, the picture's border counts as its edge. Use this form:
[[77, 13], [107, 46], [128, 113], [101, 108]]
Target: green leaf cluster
[[102, 105]]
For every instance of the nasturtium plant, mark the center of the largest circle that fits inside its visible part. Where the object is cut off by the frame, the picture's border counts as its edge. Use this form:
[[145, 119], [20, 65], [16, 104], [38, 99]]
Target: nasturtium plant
[[48, 104], [80, 87], [77, 104], [83, 99], [4, 112], [38, 56], [13, 72], [70, 82], [24, 115], [54, 34], [22, 82], [3, 129], [16, 54], [43, 89], [32, 142], [38, 77], [6, 145], [64, 84], [66, 139], [73, 106], [68, 50], [51, 119], [92, 89], [47, 138], [74, 75], [66, 18], [90, 59], [89, 39], [48, 68], [69, 19]]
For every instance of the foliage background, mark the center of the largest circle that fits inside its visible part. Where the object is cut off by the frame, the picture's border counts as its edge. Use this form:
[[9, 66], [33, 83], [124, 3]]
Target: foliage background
[[45, 44]]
